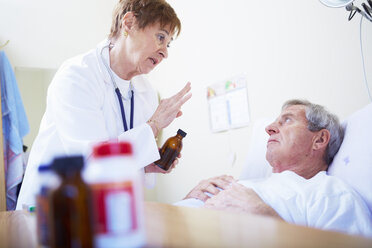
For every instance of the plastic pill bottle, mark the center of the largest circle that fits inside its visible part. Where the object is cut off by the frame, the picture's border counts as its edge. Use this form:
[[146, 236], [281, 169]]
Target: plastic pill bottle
[[114, 179]]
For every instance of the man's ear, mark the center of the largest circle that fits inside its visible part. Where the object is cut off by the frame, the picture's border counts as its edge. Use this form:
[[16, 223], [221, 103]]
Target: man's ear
[[321, 139], [128, 22]]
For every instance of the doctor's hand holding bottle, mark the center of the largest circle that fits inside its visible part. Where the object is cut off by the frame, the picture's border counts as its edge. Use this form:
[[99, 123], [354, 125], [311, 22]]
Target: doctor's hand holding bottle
[[167, 111]]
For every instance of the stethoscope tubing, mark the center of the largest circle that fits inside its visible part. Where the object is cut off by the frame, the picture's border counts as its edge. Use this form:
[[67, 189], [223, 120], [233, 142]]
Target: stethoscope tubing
[[118, 94]]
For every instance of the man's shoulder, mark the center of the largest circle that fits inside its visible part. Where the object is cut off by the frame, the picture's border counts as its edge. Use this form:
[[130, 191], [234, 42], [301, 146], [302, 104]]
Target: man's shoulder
[[334, 205], [331, 186], [321, 185]]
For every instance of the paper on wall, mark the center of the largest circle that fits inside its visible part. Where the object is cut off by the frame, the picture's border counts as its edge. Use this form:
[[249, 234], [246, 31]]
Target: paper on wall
[[228, 104]]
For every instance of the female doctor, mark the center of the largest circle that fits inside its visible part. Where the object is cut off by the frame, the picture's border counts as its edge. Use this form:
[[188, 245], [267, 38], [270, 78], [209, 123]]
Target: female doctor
[[101, 95]]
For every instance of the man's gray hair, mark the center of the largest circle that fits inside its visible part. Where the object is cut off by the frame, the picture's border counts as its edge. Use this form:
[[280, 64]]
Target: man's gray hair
[[320, 118]]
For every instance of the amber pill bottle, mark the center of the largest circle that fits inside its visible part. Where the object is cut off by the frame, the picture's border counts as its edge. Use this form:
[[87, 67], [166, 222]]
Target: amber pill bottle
[[70, 213], [48, 182], [170, 150]]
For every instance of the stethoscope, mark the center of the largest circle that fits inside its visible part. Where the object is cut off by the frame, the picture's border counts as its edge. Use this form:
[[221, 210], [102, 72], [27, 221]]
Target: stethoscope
[[118, 94]]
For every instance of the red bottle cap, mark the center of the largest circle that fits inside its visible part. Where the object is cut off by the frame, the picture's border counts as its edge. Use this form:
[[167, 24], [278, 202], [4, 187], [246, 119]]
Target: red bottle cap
[[112, 148]]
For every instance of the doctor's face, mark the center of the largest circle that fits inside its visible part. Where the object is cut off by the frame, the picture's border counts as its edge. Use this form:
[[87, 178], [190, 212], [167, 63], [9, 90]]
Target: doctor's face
[[148, 47], [290, 140]]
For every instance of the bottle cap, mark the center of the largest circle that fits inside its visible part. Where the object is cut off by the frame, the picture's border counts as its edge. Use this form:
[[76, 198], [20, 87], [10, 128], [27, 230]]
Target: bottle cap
[[68, 163], [112, 148], [182, 133]]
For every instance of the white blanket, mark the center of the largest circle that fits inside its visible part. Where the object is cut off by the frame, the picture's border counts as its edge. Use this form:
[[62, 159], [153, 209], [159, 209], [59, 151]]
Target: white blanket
[[323, 202]]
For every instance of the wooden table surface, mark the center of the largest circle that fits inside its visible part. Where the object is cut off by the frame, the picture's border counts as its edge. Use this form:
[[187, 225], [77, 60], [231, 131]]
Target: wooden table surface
[[171, 226]]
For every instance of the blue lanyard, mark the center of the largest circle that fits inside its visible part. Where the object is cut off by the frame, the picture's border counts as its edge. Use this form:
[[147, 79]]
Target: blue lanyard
[[117, 91]]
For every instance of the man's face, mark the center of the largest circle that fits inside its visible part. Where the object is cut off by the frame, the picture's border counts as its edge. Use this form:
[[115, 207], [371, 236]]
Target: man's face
[[290, 141]]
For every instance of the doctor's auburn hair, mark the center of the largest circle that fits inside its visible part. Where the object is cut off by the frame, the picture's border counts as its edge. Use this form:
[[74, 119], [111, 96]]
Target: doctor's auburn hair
[[320, 118], [147, 12]]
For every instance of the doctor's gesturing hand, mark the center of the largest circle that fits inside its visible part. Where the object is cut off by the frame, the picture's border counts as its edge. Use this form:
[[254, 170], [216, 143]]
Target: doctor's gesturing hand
[[169, 109]]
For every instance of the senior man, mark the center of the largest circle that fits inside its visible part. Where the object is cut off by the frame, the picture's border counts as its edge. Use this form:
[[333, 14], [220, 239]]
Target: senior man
[[303, 141]]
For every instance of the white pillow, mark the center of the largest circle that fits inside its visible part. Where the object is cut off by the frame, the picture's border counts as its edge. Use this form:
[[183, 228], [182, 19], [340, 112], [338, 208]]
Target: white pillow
[[353, 162], [256, 165]]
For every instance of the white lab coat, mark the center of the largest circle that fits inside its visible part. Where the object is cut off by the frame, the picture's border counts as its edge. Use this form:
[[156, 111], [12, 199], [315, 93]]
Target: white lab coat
[[82, 109]]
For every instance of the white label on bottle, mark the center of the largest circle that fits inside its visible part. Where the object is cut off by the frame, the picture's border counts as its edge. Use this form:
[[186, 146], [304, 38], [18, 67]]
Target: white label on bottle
[[118, 212], [115, 208]]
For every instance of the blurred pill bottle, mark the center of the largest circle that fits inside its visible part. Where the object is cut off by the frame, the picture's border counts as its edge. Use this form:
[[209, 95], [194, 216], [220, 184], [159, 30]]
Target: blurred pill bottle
[[48, 181], [170, 150], [114, 179], [70, 205]]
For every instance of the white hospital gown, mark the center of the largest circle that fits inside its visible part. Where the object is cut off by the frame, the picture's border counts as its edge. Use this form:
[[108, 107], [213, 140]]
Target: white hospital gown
[[323, 202]]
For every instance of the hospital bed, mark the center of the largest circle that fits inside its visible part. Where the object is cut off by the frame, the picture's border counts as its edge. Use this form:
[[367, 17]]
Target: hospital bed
[[171, 226]]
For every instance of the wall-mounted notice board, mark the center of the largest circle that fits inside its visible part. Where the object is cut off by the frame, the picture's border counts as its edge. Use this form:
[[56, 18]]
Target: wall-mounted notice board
[[228, 104]]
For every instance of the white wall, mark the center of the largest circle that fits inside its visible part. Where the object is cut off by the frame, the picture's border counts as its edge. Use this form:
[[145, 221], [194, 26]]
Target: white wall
[[33, 85], [288, 49], [43, 33]]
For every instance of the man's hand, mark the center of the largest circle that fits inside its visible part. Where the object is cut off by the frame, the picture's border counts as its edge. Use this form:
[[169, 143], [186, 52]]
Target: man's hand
[[238, 198], [210, 186]]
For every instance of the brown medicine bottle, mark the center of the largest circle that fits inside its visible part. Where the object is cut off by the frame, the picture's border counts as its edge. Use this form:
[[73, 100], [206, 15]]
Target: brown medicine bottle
[[170, 150], [70, 212]]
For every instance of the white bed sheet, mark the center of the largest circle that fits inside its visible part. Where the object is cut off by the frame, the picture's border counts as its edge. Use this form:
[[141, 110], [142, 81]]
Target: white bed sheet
[[323, 202]]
